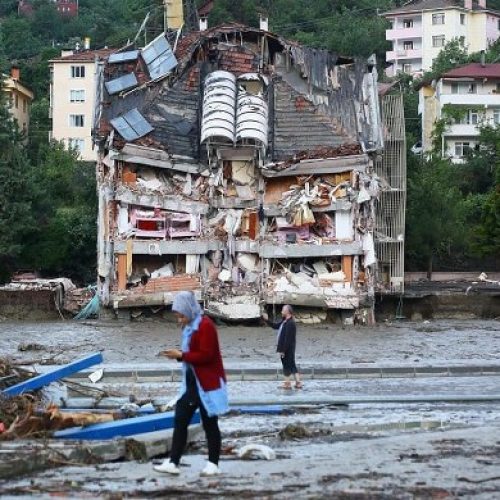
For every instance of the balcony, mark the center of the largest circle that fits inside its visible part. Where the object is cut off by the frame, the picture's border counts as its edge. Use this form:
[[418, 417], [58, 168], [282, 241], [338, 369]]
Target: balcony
[[462, 130], [477, 100], [401, 54], [403, 33]]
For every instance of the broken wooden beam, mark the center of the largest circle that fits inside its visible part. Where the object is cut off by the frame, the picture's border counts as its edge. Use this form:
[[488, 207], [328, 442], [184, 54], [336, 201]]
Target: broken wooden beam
[[54, 375], [123, 428]]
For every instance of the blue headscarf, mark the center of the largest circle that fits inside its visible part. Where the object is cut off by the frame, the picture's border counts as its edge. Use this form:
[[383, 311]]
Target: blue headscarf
[[185, 303]]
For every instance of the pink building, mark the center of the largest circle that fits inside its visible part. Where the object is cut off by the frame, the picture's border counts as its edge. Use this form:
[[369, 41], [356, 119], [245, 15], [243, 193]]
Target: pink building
[[421, 28]]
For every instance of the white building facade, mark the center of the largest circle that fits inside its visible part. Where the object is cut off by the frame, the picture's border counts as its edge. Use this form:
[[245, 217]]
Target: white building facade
[[468, 98], [72, 99], [420, 29]]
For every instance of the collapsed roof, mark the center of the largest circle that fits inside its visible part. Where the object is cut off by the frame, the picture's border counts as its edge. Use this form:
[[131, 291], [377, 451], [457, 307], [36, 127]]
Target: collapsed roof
[[154, 97]]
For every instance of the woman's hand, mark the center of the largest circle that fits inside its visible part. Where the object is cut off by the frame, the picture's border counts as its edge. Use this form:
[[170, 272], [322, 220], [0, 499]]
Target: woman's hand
[[172, 354], [265, 316]]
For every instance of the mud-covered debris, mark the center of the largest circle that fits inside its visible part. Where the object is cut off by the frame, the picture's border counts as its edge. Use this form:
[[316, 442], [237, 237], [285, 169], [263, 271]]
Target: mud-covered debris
[[24, 420], [254, 451], [31, 346], [294, 431]]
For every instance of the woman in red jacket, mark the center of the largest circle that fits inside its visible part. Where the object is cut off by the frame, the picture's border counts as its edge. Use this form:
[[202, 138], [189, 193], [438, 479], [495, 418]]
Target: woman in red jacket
[[203, 383]]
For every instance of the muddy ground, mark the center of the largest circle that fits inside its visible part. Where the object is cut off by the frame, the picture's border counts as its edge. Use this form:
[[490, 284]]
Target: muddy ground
[[440, 341], [360, 451]]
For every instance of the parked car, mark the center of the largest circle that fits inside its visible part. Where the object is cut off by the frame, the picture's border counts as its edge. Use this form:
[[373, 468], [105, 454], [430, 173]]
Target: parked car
[[417, 149]]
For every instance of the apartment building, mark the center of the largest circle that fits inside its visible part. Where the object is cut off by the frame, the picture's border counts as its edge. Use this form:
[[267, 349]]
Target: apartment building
[[72, 99], [420, 29], [468, 97], [19, 98], [208, 182]]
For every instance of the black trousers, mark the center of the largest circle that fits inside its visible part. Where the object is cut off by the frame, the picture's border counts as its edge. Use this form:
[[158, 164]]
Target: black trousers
[[288, 362], [184, 411]]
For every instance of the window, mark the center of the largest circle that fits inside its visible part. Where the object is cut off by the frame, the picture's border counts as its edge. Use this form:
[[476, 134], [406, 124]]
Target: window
[[408, 45], [77, 95], [77, 71], [408, 23], [438, 18], [470, 118], [462, 18], [496, 116], [471, 88], [463, 88], [16, 101], [438, 41], [78, 144], [462, 148], [25, 105], [498, 26], [76, 120], [407, 68]]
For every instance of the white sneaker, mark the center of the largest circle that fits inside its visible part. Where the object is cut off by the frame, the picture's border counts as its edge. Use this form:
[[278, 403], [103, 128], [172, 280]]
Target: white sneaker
[[168, 467], [210, 470]]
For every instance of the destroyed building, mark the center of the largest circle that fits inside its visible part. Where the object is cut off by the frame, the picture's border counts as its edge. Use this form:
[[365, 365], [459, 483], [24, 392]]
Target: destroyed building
[[247, 169]]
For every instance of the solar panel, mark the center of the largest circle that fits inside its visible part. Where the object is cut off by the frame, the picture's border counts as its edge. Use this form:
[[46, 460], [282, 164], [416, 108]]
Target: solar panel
[[138, 122], [131, 125], [159, 57], [122, 83], [120, 57]]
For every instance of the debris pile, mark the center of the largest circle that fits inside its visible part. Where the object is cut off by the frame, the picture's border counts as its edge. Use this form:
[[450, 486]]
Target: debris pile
[[217, 177]]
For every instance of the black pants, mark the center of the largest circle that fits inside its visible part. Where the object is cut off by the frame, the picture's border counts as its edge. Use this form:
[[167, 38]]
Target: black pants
[[184, 411], [288, 362]]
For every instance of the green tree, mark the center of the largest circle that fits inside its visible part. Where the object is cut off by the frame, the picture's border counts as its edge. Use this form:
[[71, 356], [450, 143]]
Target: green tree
[[486, 241], [64, 243], [16, 221], [435, 226]]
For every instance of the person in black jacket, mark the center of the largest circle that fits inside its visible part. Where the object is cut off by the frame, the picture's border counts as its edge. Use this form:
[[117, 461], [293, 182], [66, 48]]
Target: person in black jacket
[[286, 343]]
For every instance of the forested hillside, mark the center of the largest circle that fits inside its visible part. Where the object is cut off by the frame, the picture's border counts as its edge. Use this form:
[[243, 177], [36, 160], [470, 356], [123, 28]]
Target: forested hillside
[[55, 230]]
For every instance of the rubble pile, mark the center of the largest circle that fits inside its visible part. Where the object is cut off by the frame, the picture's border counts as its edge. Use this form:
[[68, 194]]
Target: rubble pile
[[324, 152], [211, 170]]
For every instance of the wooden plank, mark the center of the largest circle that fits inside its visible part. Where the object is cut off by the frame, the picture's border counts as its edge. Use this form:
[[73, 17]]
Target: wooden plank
[[122, 428], [53, 375], [122, 271], [347, 267]]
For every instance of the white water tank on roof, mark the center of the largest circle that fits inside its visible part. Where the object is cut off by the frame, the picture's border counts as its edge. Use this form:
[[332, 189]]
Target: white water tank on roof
[[219, 101], [251, 118]]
